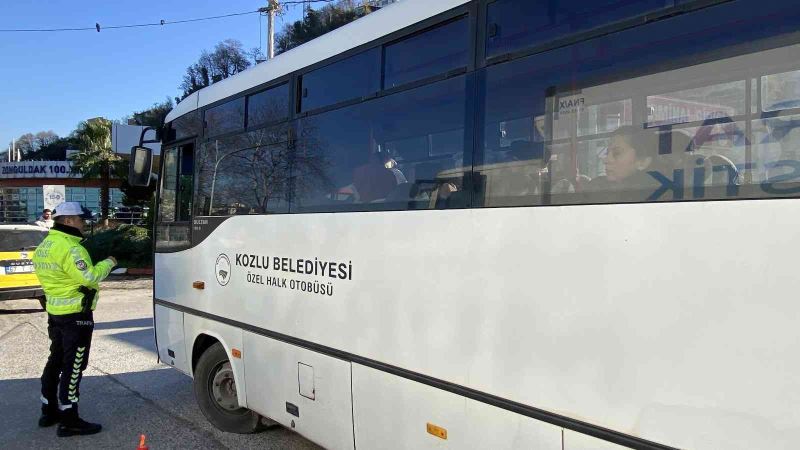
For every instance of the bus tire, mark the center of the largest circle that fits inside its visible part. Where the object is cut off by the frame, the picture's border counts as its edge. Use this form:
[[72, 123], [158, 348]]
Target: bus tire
[[215, 392]]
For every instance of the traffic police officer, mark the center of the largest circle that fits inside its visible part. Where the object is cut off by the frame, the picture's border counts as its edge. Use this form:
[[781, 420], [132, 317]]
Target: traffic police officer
[[70, 283]]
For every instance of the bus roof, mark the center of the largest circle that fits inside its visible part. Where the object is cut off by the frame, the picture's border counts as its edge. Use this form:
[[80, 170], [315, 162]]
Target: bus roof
[[362, 31]]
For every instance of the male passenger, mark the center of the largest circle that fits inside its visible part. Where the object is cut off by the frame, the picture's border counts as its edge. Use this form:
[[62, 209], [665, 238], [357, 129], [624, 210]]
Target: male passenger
[[70, 283]]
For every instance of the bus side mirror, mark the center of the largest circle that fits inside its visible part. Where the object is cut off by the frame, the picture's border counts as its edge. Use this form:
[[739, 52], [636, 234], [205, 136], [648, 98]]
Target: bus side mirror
[[141, 165]]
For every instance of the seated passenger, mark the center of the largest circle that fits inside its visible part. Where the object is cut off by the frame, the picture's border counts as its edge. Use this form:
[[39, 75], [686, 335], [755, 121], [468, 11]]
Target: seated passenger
[[444, 193], [630, 154], [391, 164], [373, 180]]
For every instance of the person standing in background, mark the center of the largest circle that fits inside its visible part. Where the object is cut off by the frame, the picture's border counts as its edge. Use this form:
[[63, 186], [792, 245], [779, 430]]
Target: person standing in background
[[45, 220]]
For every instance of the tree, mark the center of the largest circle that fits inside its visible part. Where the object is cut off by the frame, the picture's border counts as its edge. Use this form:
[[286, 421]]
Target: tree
[[315, 23], [96, 158], [228, 58], [44, 138], [26, 143], [52, 151], [153, 116], [29, 143]]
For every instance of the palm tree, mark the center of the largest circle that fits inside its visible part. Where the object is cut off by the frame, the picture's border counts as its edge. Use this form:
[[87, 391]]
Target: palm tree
[[96, 158]]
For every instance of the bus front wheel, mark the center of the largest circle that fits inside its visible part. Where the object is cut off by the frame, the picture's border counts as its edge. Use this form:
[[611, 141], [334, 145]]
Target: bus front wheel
[[215, 392]]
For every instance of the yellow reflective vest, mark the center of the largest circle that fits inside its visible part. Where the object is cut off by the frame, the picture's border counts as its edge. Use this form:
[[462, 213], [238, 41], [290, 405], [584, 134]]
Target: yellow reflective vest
[[63, 265]]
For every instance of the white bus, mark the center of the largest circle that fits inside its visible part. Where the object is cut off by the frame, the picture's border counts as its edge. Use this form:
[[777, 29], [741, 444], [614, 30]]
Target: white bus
[[495, 224]]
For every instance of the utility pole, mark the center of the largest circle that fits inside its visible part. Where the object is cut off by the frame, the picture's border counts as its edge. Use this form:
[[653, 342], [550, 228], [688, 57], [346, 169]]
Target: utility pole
[[273, 7]]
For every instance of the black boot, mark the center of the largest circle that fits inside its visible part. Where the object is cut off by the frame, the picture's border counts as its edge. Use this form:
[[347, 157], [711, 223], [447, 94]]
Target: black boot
[[50, 414], [72, 425]]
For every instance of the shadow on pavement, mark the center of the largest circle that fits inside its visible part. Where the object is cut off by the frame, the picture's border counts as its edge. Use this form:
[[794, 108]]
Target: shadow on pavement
[[143, 339], [20, 311], [116, 404], [129, 323], [158, 403]]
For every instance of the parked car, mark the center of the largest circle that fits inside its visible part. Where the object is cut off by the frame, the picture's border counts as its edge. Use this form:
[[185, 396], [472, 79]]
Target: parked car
[[17, 277]]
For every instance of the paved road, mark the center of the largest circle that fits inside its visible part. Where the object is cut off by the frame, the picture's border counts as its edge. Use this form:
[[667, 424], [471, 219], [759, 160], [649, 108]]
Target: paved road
[[124, 387]]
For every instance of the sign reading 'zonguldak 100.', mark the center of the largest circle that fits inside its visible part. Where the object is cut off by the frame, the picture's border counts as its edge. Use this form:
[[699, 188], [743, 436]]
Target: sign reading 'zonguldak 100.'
[[37, 169]]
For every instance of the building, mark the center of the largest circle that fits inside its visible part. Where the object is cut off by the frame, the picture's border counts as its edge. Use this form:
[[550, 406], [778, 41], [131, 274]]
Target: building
[[22, 193]]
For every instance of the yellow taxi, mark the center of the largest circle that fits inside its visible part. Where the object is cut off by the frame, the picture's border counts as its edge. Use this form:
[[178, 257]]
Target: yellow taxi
[[17, 278]]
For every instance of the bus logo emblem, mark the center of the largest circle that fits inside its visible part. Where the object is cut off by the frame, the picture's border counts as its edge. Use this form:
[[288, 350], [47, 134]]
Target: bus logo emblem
[[222, 269]]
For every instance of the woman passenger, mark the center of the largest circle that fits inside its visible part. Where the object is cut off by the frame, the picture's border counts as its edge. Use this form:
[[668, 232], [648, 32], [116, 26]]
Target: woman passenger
[[630, 153]]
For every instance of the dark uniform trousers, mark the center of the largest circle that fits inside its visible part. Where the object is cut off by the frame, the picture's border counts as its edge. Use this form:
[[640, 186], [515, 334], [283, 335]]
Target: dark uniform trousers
[[70, 339]]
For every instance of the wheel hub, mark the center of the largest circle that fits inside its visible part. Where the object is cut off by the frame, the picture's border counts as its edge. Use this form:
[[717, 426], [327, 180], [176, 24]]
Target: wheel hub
[[223, 388]]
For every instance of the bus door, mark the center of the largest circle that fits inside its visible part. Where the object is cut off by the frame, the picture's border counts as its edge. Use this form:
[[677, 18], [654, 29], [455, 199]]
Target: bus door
[[172, 235], [173, 222]]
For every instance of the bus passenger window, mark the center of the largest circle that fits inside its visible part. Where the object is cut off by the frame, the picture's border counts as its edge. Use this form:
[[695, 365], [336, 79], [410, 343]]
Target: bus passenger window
[[618, 128], [225, 118], [244, 174], [391, 153], [185, 126], [354, 77], [430, 53], [516, 24], [269, 106]]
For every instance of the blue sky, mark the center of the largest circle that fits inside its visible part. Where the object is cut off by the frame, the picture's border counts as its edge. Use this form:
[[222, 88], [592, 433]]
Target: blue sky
[[52, 81]]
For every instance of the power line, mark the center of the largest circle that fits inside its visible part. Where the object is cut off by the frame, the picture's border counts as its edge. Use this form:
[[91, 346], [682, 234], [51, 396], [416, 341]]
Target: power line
[[98, 27], [276, 7], [295, 2]]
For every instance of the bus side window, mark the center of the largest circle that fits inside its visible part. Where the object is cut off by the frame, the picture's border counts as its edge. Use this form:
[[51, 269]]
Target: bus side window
[[246, 173], [518, 24], [390, 153]]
